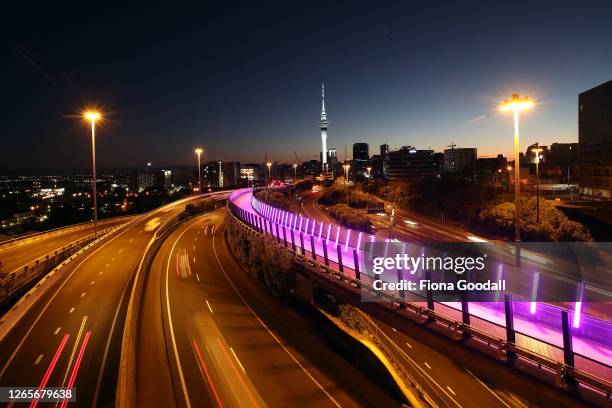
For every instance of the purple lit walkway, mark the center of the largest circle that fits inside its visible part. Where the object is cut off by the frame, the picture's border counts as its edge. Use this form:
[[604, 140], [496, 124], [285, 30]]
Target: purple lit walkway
[[590, 356]]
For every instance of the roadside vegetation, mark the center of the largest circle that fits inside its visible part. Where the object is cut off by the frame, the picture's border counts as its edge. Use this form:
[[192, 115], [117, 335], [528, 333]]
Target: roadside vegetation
[[459, 199], [192, 209]]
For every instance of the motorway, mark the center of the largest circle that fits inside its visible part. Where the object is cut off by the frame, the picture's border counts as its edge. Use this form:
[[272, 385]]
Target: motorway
[[15, 257], [72, 336], [211, 336]]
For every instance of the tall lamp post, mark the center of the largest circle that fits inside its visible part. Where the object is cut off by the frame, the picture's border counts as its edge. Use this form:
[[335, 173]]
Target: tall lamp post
[[198, 152], [516, 104], [92, 116], [369, 169], [537, 151], [294, 171], [269, 164], [346, 170]]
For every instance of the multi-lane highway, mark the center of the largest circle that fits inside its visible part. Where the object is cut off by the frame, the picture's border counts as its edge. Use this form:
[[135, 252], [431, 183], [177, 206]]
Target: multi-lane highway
[[210, 336], [15, 256], [72, 336]]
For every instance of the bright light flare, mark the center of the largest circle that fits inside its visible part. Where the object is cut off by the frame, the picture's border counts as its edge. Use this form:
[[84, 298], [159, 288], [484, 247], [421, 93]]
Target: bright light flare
[[92, 116], [516, 103]]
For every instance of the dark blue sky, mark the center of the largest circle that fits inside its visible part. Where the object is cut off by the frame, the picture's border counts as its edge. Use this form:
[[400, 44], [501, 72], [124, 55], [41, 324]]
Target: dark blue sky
[[245, 80]]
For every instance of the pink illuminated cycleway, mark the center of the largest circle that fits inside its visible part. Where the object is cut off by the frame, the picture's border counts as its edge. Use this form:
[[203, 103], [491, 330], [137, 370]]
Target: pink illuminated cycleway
[[532, 335]]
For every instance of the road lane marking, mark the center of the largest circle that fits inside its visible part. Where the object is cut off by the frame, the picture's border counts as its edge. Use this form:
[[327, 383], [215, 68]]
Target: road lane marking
[[427, 365], [488, 388], [451, 390], [83, 294], [92, 283], [100, 273], [71, 310], [393, 328], [229, 359], [409, 345], [238, 360], [172, 337], [112, 259], [418, 367], [194, 247], [57, 330], [131, 240], [51, 367], [120, 251], [285, 349], [209, 308], [74, 350], [63, 284], [38, 359], [197, 277], [107, 265]]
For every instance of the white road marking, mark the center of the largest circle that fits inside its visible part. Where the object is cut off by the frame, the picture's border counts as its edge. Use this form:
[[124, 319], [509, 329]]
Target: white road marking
[[239, 363], [427, 365], [488, 388], [409, 345], [107, 265], [176, 355], [194, 259], [57, 330], [451, 390], [197, 277], [112, 259], [209, 308], [71, 310], [38, 359], [74, 350], [100, 273], [285, 349], [393, 328], [92, 283], [194, 247], [83, 294], [131, 239], [120, 251]]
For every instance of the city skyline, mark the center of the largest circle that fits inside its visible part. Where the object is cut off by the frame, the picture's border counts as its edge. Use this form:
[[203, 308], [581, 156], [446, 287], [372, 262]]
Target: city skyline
[[394, 81]]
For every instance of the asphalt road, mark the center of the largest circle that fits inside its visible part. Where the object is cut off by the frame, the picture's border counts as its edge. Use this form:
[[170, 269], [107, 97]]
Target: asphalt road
[[73, 334], [16, 257], [227, 342]]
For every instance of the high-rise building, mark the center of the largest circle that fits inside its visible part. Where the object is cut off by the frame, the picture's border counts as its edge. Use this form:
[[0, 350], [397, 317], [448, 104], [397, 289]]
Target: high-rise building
[[323, 123], [361, 152], [595, 142], [459, 158], [409, 162]]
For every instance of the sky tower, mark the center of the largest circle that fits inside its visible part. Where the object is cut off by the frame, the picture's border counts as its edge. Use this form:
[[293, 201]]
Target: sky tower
[[323, 125]]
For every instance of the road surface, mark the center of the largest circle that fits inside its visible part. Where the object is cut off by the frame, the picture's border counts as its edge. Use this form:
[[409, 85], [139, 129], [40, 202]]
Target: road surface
[[227, 342], [72, 336]]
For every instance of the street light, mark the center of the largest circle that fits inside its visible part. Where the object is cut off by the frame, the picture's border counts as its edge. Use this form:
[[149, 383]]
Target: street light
[[294, 171], [92, 116], [369, 169], [516, 104], [346, 169], [199, 151], [269, 164], [537, 151]]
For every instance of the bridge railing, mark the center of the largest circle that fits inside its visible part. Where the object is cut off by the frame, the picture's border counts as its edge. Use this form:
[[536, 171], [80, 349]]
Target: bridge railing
[[15, 282], [566, 374]]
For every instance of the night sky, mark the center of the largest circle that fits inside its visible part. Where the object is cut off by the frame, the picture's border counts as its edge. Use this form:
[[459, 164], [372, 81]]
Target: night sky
[[245, 80]]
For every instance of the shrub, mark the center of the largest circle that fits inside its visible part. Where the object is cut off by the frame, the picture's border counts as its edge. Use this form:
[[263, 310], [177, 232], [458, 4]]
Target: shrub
[[554, 224], [303, 185], [350, 218]]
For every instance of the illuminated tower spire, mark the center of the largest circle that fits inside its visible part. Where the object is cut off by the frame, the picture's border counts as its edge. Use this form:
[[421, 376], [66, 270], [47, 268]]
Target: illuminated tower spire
[[323, 125]]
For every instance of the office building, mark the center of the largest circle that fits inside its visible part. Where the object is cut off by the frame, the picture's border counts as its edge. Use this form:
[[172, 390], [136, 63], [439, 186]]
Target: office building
[[361, 152], [595, 142]]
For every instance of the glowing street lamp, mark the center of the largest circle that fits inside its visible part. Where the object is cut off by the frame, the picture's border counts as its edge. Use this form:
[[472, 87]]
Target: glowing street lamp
[[294, 171], [537, 151], [198, 152], [369, 169], [516, 104], [92, 116], [269, 164], [346, 173]]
